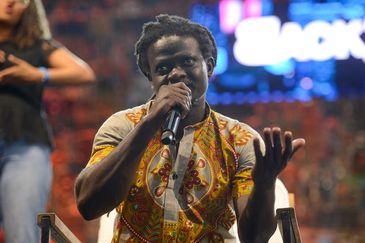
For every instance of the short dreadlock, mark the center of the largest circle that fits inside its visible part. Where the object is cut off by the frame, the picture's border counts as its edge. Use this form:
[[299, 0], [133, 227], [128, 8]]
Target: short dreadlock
[[168, 25]]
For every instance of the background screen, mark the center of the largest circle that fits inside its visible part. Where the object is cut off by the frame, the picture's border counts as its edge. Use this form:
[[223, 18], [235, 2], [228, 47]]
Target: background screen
[[295, 50]]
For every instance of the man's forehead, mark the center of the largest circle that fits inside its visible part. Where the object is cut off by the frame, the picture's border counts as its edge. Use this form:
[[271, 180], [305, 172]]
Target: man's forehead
[[169, 45]]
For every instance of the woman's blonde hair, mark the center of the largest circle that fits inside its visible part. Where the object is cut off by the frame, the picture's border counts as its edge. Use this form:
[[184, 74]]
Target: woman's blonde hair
[[32, 26]]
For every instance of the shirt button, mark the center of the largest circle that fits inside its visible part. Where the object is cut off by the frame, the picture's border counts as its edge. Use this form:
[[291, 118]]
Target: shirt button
[[174, 176]]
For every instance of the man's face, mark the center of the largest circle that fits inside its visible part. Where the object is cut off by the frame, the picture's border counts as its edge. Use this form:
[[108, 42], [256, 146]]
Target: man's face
[[175, 59]]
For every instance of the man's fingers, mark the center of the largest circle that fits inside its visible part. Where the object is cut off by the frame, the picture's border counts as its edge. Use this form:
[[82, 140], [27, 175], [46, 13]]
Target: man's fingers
[[292, 146], [258, 153], [182, 88], [288, 137], [297, 144], [268, 143], [277, 144]]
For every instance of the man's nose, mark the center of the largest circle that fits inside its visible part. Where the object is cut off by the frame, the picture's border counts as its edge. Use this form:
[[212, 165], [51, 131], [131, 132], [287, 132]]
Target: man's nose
[[176, 75]]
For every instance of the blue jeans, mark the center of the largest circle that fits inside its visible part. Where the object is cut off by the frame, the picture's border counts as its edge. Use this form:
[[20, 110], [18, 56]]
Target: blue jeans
[[25, 182]]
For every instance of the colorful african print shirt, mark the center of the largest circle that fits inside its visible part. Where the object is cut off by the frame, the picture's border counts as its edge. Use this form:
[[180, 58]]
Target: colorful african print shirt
[[184, 195]]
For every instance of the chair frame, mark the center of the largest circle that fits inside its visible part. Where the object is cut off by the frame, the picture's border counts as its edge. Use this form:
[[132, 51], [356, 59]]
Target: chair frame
[[288, 225], [52, 227]]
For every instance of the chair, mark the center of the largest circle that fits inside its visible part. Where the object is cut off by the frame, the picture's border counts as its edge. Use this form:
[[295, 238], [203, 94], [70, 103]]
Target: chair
[[287, 222], [106, 227], [52, 227]]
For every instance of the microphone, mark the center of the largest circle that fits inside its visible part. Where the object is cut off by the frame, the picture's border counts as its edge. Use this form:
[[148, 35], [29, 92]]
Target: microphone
[[170, 126]]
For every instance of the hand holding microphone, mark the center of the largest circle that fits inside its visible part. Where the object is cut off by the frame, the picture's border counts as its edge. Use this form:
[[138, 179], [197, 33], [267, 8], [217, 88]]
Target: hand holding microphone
[[182, 99], [170, 126]]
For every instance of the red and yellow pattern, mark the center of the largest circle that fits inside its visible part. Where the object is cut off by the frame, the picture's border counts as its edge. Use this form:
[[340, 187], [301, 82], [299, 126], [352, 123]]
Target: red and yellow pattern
[[135, 117], [241, 136], [99, 154]]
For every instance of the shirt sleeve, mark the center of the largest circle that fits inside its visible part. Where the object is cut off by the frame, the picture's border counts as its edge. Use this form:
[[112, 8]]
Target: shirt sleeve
[[242, 181], [48, 46], [110, 134]]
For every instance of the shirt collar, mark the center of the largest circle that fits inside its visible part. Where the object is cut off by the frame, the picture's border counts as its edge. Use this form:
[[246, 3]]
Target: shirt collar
[[206, 119]]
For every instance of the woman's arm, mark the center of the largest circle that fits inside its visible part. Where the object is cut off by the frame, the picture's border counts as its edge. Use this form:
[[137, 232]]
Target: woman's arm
[[65, 68]]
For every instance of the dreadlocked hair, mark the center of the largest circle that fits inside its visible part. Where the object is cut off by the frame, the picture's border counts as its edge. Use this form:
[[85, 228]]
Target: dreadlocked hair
[[168, 25]]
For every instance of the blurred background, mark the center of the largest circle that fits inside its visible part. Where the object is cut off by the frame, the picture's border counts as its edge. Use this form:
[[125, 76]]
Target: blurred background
[[296, 64]]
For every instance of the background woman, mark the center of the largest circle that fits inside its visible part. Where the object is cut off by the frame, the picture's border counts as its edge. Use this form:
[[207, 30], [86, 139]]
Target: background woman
[[29, 61]]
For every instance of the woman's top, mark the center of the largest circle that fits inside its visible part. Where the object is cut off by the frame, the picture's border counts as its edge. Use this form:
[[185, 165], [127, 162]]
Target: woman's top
[[22, 114]]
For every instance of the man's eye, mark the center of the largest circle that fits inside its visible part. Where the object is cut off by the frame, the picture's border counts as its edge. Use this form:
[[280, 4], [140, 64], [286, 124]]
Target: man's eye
[[188, 61], [162, 70]]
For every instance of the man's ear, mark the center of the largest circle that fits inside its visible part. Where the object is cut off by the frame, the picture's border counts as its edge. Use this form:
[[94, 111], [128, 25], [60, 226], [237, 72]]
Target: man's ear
[[210, 66]]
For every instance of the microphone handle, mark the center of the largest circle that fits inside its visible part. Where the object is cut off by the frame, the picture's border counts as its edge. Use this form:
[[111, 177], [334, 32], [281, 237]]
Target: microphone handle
[[170, 126]]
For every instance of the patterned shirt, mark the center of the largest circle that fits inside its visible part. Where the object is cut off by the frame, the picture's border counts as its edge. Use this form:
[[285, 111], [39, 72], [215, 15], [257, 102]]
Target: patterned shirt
[[184, 195]]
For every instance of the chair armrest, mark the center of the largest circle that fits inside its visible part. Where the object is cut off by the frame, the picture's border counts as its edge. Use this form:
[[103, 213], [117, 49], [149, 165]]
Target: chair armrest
[[53, 227], [288, 225]]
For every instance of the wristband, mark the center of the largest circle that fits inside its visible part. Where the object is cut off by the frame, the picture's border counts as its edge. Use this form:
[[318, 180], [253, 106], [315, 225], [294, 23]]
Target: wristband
[[45, 79]]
